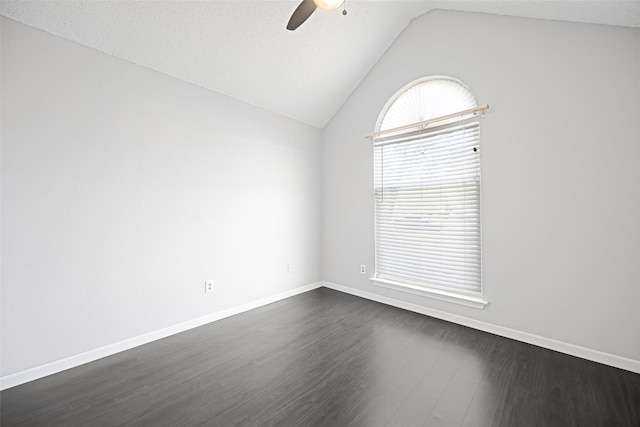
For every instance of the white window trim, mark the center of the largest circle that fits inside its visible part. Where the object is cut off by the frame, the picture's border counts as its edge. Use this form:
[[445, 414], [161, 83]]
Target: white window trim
[[460, 297], [470, 300]]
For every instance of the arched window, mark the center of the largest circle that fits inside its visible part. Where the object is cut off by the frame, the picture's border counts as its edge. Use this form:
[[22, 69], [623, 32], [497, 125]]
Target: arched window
[[425, 99], [427, 191]]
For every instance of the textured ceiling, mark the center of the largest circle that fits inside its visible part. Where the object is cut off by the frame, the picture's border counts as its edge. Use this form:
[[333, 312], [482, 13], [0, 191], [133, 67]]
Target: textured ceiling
[[242, 49]]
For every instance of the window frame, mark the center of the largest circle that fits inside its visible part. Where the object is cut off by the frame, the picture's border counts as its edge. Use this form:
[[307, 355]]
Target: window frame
[[467, 298]]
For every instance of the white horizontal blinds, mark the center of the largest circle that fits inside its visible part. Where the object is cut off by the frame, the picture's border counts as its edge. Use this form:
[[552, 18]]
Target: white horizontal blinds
[[427, 207], [427, 188]]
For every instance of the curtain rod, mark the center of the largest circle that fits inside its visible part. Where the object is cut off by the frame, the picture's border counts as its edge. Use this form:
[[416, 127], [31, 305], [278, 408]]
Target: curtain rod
[[463, 113]]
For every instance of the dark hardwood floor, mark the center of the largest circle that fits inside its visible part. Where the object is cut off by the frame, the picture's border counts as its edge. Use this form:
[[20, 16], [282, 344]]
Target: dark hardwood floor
[[328, 358]]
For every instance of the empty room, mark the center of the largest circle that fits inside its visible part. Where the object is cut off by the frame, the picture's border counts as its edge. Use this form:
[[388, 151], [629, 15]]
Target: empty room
[[300, 213]]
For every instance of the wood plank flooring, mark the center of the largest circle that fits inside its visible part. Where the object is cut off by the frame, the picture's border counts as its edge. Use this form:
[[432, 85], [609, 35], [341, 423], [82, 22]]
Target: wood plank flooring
[[325, 358]]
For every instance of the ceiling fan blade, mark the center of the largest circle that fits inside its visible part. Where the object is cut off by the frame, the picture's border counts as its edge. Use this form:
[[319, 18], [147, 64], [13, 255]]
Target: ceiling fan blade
[[301, 14]]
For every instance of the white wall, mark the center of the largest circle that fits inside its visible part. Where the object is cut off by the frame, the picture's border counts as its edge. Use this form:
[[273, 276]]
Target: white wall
[[561, 172], [124, 189]]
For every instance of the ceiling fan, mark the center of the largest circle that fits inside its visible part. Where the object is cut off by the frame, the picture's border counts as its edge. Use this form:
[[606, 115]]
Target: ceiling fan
[[306, 9]]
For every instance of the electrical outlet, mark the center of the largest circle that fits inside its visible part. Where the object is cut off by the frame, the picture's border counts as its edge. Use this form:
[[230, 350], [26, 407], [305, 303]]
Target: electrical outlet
[[208, 286], [289, 268], [363, 269]]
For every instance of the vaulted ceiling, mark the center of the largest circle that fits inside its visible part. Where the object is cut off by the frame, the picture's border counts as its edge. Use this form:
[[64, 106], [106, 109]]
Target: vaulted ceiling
[[242, 49]]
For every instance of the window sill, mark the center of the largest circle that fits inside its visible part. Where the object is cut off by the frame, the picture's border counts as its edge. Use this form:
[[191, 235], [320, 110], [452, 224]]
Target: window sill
[[438, 294]]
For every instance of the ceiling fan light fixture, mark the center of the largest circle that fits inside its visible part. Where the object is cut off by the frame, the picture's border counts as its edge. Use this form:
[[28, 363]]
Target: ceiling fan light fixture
[[328, 4]]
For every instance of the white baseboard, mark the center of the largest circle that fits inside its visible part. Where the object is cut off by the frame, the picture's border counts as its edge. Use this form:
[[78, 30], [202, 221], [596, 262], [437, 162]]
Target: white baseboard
[[571, 349], [54, 367]]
